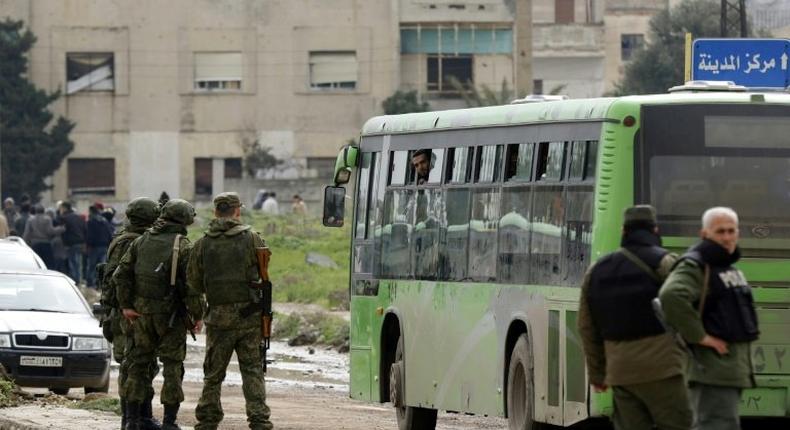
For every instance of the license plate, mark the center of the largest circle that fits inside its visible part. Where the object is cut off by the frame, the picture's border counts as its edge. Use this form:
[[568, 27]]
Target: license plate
[[27, 360]]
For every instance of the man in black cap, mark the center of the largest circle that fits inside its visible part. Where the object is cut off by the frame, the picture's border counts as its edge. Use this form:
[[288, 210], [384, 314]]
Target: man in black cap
[[625, 344]]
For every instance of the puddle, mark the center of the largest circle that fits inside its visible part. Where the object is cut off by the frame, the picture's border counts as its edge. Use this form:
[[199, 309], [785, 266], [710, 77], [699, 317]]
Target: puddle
[[292, 367]]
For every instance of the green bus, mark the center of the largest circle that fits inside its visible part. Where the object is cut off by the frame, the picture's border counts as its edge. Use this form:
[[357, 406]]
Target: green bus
[[465, 272]]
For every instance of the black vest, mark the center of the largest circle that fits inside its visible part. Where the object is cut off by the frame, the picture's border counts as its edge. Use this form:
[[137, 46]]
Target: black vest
[[729, 312], [620, 292]]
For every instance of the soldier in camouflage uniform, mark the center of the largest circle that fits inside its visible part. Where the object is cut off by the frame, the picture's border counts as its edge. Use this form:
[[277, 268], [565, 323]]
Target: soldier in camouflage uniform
[[152, 298], [222, 266], [140, 215]]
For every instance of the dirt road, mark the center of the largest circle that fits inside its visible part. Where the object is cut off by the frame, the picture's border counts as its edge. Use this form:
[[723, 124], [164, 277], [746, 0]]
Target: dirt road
[[307, 389]]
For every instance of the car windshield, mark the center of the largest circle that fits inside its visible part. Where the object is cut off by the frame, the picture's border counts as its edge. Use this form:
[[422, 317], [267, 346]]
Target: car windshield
[[39, 293], [18, 258]]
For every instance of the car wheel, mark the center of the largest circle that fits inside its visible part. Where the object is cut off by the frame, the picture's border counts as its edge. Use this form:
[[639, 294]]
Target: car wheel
[[103, 389], [60, 391]]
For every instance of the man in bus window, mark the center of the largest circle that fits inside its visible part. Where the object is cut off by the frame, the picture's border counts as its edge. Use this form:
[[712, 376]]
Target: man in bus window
[[625, 345], [710, 304], [421, 161]]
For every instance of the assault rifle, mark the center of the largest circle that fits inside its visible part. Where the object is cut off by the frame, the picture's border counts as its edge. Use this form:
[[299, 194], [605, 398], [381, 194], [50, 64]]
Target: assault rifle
[[263, 292], [181, 308]]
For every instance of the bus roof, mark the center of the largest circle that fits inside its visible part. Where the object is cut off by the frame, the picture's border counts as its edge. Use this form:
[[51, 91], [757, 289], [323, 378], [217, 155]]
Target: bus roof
[[596, 109]]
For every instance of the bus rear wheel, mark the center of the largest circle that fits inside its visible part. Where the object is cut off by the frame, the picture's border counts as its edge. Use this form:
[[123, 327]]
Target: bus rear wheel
[[520, 389], [409, 417]]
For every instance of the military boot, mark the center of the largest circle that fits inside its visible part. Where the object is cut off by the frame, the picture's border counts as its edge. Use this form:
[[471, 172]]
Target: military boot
[[147, 420], [123, 414], [132, 416], [169, 421]]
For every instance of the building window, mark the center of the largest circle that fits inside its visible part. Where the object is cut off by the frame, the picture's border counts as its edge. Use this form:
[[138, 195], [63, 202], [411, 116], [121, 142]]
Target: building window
[[629, 44], [333, 70], [218, 71], [203, 176], [91, 176], [90, 71], [233, 168], [442, 70], [563, 11]]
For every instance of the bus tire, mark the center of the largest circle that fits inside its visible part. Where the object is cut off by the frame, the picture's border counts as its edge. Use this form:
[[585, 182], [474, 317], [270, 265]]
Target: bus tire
[[521, 388], [409, 417]]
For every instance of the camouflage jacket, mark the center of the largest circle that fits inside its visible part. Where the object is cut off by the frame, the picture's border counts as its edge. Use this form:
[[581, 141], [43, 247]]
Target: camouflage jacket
[[142, 278], [225, 315], [118, 247]]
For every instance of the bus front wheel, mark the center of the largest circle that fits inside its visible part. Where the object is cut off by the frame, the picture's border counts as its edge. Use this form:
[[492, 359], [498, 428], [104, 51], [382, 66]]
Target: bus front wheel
[[409, 417], [520, 388]]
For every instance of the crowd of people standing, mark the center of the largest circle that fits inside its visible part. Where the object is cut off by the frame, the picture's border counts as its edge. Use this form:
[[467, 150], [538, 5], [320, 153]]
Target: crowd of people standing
[[69, 242]]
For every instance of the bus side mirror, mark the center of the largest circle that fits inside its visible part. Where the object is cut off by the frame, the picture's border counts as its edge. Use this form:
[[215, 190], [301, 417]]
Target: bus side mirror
[[334, 206]]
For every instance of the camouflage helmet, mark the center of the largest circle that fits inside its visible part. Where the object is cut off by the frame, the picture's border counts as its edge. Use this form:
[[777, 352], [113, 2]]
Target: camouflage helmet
[[178, 210], [142, 211]]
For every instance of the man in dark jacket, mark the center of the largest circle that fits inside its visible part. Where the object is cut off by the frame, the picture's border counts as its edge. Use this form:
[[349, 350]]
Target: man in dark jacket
[[18, 229], [624, 342], [73, 239], [98, 238], [710, 304]]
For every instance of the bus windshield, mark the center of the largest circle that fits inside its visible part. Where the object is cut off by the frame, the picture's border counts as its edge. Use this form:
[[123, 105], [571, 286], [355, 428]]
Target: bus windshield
[[696, 157]]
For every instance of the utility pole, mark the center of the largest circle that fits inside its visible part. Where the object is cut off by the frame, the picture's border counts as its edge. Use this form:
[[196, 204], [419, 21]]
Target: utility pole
[[733, 18], [522, 57]]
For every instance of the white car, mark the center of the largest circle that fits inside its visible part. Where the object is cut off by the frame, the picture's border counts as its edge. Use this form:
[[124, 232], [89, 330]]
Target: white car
[[15, 254], [49, 336]]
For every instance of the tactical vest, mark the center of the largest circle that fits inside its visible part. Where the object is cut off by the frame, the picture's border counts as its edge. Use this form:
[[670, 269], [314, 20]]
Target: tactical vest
[[152, 268], [728, 311], [620, 295], [228, 266]]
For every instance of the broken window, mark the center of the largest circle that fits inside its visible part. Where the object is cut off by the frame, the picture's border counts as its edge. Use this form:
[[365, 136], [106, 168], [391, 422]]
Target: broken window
[[218, 71], [90, 71], [630, 44], [333, 70], [442, 70], [91, 176], [203, 176]]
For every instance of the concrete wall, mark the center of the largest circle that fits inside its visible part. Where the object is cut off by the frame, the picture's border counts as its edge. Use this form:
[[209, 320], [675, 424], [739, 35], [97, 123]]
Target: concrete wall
[[154, 124]]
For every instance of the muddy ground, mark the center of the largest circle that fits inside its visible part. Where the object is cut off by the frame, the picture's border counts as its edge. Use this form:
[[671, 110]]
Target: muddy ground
[[305, 391]]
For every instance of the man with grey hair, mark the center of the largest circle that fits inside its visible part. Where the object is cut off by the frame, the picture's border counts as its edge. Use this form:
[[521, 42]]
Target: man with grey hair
[[709, 302]]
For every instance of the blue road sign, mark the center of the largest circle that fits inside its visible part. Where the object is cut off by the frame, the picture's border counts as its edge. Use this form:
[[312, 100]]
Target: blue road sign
[[755, 63]]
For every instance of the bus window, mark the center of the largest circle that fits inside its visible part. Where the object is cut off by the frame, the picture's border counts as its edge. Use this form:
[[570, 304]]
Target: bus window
[[578, 233], [399, 168], [591, 160], [425, 255], [456, 235], [374, 206], [485, 164], [396, 234], [576, 170], [550, 161], [363, 196], [458, 169], [548, 215], [483, 234], [427, 166], [514, 229], [518, 163]]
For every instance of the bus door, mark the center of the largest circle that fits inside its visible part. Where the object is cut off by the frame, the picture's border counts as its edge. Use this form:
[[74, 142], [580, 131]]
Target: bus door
[[566, 385]]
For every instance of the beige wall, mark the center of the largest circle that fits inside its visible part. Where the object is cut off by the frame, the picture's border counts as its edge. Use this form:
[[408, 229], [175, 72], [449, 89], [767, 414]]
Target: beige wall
[[154, 123], [615, 26]]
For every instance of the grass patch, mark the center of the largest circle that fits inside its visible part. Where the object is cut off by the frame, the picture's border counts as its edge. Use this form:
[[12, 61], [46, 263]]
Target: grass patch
[[7, 396], [294, 280], [324, 328], [106, 404]]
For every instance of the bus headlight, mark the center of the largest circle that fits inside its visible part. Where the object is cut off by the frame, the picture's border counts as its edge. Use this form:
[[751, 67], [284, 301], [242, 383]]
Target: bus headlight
[[88, 344]]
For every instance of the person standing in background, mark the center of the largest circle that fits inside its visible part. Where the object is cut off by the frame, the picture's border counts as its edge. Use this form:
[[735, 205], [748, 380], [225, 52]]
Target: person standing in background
[[73, 239], [270, 206], [39, 233], [98, 239], [4, 231], [18, 228]]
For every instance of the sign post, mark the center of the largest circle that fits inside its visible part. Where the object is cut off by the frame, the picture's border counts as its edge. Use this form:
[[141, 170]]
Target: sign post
[[753, 63]]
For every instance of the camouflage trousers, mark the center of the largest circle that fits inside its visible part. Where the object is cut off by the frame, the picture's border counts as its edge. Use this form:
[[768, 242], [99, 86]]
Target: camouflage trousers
[[220, 344], [151, 337], [122, 340]]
